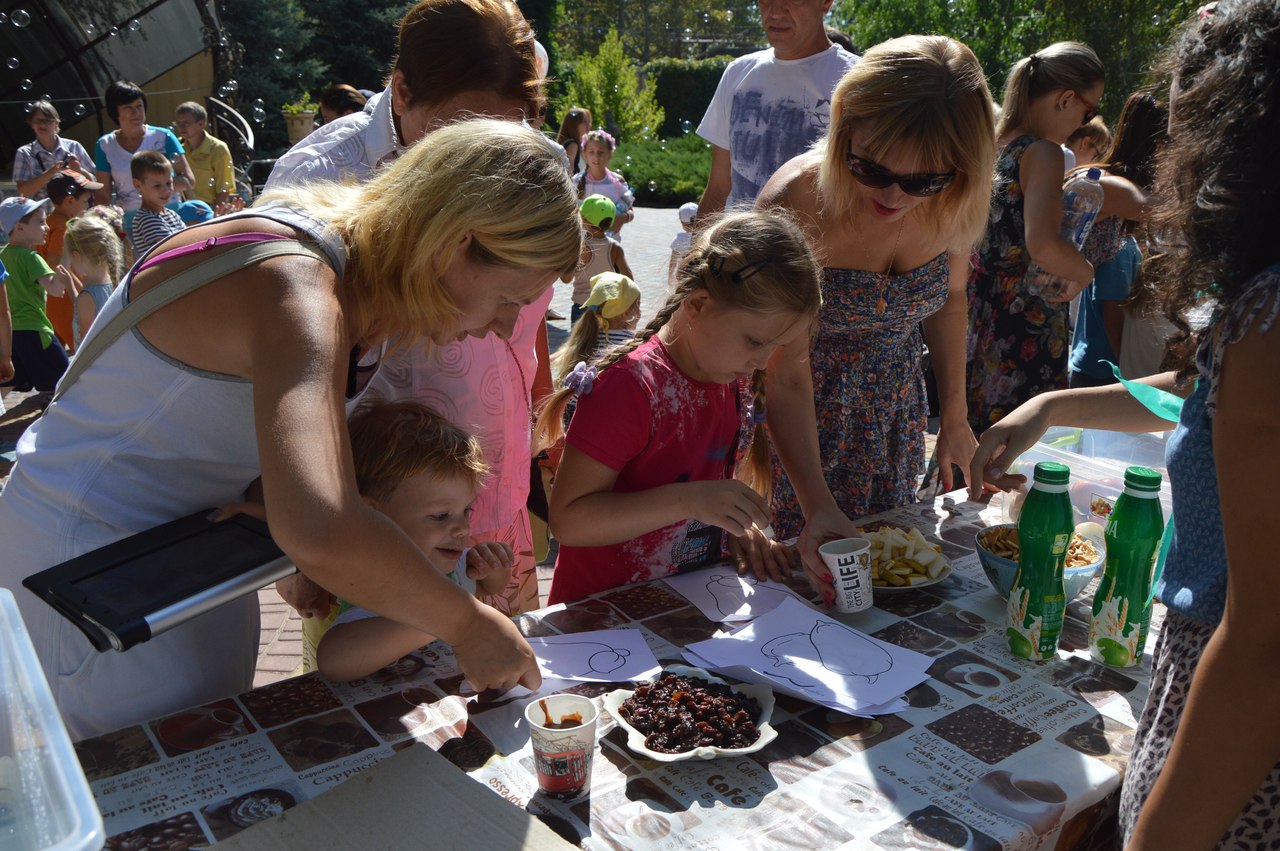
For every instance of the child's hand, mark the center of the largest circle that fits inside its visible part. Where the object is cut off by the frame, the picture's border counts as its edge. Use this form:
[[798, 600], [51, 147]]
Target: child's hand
[[729, 504], [6, 369], [488, 557], [71, 284], [766, 558]]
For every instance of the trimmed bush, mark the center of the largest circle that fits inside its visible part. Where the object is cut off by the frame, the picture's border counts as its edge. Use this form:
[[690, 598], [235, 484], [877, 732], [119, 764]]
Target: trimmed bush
[[684, 88], [665, 173]]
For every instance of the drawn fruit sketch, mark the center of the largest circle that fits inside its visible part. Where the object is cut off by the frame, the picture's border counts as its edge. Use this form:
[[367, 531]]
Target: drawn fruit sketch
[[732, 592], [583, 658], [835, 647]]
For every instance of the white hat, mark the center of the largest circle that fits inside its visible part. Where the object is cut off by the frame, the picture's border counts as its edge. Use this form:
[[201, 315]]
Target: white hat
[[688, 212]]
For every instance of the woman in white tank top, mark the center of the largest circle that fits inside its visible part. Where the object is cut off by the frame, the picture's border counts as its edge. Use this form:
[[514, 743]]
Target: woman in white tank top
[[248, 376]]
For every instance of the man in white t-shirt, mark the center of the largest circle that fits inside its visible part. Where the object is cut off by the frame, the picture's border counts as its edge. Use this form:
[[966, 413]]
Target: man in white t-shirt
[[771, 105]]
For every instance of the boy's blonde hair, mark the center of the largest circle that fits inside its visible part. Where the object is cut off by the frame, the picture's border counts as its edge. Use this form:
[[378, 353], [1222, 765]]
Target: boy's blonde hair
[[925, 94], [1062, 65], [391, 442], [754, 260], [93, 237], [500, 182], [1095, 129]]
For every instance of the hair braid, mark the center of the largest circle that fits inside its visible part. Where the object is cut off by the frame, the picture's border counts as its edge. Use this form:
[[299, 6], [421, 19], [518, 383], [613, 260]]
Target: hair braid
[[757, 467]]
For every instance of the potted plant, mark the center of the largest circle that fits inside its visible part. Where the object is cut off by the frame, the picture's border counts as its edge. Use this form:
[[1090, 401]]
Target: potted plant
[[299, 117]]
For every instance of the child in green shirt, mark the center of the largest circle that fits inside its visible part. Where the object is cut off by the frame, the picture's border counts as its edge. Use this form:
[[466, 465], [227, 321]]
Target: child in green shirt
[[38, 358]]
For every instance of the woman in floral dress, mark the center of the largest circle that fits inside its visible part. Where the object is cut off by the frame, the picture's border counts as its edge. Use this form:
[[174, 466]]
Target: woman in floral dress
[[893, 200], [1019, 340]]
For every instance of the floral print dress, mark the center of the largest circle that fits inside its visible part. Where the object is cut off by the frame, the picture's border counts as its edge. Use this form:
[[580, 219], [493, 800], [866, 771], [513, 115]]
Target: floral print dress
[[1018, 342], [868, 390]]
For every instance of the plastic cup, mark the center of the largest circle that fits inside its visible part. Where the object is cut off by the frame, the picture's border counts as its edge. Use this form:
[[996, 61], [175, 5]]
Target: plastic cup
[[849, 560], [562, 756]]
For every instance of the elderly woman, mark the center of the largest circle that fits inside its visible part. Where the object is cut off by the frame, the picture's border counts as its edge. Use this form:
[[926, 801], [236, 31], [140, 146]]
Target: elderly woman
[[181, 413], [893, 200], [127, 106]]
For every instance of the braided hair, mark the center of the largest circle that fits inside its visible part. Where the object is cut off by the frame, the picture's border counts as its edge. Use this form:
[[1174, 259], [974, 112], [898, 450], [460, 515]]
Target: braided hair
[[758, 261]]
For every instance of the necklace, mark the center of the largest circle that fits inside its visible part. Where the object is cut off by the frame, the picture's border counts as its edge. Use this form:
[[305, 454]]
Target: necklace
[[881, 302]]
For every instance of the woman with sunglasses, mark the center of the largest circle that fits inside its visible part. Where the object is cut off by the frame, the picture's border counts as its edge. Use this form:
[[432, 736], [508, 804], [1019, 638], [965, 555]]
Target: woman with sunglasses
[[893, 199], [1019, 340]]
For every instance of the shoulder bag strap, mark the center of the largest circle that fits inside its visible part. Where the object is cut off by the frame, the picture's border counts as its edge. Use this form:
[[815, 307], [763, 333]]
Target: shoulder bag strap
[[171, 290]]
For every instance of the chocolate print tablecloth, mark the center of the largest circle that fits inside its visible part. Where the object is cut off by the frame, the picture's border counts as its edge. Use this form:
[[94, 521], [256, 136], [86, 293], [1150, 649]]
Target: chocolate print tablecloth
[[992, 753]]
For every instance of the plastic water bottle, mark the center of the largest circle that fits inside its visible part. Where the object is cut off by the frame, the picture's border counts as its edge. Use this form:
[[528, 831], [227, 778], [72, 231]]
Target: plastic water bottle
[[1121, 608], [1038, 599], [1081, 201]]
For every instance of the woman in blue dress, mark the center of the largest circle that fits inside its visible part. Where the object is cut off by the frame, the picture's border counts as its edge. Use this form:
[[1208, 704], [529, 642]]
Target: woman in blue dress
[[893, 200], [1205, 767]]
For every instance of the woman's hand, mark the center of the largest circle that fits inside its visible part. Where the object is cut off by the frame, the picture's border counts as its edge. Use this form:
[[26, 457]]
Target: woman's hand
[[1002, 443], [494, 655], [763, 556], [488, 557], [956, 445], [828, 524], [727, 503]]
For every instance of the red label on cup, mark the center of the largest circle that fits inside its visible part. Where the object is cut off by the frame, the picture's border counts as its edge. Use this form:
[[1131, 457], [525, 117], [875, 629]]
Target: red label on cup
[[561, 774]]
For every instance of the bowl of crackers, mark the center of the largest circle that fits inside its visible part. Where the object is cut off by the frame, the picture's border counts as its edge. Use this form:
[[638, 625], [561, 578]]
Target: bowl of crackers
[[999, 551]]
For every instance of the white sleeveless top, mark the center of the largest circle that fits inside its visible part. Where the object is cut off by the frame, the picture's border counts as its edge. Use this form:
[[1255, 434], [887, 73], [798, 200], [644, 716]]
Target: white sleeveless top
[[139, 440]]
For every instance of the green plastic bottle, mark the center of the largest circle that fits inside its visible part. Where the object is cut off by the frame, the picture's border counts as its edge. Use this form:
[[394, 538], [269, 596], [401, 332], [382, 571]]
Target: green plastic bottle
[[1121, 608], [1038, 598]]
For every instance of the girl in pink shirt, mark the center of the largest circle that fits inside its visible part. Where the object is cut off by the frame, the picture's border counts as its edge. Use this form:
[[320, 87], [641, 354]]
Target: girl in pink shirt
[[657, 463]]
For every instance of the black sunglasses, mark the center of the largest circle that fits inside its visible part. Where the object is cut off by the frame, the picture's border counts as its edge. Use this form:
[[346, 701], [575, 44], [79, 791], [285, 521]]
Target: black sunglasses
[[870, 173]]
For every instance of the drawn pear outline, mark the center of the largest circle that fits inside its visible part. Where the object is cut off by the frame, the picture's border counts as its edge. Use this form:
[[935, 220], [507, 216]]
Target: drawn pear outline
[[843, 651], [727, 593], [778, 650], [609, 660], [584, 658]]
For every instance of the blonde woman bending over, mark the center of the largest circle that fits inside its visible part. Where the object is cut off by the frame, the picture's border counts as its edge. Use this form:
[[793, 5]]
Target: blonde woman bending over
[[248, 376]]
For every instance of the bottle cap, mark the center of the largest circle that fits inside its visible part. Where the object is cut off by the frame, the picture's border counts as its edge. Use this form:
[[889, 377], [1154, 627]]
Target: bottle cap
[[1052, 473], [1142, 479], [1094, 174]]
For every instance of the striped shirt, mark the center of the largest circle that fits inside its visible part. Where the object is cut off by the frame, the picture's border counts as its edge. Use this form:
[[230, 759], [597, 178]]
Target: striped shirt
[[150, 228]]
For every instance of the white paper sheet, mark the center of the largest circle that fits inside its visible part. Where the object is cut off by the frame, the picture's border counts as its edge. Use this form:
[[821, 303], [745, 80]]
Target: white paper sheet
[[601, 656], [725, 597], [803, 652]]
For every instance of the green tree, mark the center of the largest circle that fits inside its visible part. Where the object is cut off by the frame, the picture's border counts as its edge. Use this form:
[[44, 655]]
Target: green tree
[[1126, 34], [356, 39], [608, 84], [655, 28], [276, 65]]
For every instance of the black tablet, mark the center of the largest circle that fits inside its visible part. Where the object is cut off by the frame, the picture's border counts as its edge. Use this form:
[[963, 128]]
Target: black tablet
[[125, 593]]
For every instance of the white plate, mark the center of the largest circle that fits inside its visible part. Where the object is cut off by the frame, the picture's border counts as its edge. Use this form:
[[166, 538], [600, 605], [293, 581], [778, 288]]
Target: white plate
[[635, 739], [946, 571]]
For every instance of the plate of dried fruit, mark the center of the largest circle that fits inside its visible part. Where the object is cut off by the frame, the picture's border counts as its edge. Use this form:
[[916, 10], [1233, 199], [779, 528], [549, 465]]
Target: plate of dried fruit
[[688, 712]]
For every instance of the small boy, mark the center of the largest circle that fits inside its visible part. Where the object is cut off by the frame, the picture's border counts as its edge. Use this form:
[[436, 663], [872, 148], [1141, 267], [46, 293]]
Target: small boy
[[38, 358], [600, 252], [423, 472], [153, 179], [71, 193], [684, 239]]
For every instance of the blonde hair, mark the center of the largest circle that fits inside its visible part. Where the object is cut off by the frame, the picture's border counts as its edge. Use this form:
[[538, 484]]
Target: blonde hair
[[498, 181], [1061, 65], [93, 237], [925, 92], [391, 442], [754, 260], [1095, 129]]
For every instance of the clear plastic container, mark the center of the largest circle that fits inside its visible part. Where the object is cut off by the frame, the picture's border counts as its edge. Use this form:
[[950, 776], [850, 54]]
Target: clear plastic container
[[45, 802], [1095, 482]]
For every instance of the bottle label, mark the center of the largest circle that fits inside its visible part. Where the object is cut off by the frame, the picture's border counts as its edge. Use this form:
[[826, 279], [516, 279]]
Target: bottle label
[[1060, 543], [1116, 634], [1034, 624]]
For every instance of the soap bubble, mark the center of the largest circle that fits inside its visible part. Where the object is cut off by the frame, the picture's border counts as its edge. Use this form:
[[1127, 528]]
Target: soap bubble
[[113, 32], [133, 26], [224, 42], [3, 17], [90, 30], [13, 63], [80, 109], [653, 186], [258, 114], [728, 15], [231, 86], [25, 85], [278, 54], [20, 18], [686, 126]]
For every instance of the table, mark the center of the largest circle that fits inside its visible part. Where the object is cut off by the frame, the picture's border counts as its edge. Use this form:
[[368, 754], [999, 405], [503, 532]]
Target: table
[[993, 752]]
